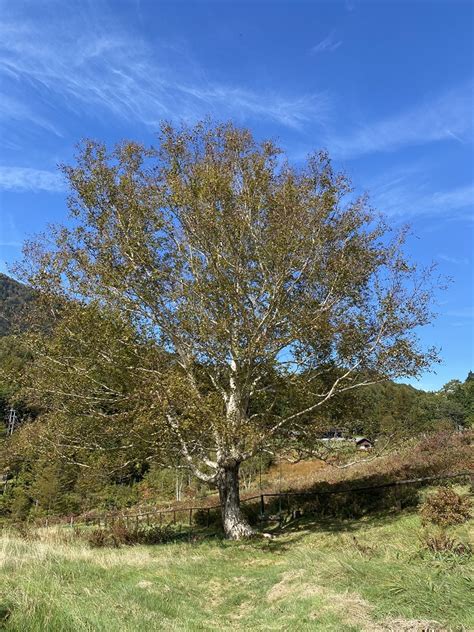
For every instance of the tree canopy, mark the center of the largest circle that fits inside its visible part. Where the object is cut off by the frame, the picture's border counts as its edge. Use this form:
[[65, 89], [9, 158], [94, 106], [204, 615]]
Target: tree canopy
[[223, 270]]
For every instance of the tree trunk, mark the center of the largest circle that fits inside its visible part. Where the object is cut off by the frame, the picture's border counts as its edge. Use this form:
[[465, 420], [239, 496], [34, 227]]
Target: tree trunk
[[235, 524]]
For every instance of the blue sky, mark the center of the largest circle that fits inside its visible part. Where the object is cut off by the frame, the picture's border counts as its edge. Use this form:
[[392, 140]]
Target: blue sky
[[387, 87]]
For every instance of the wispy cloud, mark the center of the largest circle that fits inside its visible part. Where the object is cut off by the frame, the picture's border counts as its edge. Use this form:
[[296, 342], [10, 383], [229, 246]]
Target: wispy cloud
[[12, 108], [461, 197], [447, 117], [26, 179], [456, 261], [327, 45], [463, 312], [107, 72], [408, 193], [10, 236]]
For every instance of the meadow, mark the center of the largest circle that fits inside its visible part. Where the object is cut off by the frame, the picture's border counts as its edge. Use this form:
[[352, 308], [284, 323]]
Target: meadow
[[371, 574]]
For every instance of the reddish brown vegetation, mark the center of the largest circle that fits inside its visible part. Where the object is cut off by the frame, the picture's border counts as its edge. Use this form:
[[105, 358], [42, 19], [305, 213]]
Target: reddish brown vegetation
[[444, 543], [436, 454], [445, 507]]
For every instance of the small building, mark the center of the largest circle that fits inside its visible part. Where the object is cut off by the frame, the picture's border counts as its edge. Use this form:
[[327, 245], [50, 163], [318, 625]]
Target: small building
[[362, 443], [333, 434]]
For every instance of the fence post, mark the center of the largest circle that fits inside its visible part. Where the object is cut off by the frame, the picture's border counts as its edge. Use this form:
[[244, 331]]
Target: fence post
[[208, 517], [262, 506], [191, 517]]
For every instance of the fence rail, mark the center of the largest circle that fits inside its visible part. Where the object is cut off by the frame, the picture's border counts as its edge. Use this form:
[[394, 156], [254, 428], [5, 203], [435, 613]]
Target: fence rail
[[160, 516]]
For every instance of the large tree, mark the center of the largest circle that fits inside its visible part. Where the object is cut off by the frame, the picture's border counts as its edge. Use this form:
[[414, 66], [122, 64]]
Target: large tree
[[241, 271]]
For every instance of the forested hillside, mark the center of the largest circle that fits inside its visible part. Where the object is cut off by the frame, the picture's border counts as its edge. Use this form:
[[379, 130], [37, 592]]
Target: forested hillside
[[14, 297]]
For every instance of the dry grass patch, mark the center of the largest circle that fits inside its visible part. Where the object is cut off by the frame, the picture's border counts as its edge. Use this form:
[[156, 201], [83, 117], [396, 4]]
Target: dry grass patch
[[413, 625]]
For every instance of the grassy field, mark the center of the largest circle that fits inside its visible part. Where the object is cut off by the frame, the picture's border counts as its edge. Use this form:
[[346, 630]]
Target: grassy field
[[370, 574]]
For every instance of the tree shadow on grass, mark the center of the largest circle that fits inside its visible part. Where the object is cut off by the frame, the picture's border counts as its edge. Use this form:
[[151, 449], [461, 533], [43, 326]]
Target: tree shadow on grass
[[273, 537], [339, 525]]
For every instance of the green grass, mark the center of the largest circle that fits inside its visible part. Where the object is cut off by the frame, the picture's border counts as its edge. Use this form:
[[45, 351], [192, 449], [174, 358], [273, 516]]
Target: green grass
[[362, 575]]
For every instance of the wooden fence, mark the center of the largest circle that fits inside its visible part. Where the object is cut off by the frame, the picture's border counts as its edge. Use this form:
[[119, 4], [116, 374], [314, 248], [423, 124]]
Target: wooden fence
[[186, 516]]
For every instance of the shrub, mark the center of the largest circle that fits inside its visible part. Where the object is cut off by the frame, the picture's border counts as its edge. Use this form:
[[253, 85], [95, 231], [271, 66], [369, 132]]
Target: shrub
[[153, 534], [207, 517], [446, 507], [442, 543], [114, 535], [98, 538], [25, 531], [119, 534]]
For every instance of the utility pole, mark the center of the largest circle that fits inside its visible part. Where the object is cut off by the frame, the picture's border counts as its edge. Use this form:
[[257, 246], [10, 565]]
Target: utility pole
[[12, 421]]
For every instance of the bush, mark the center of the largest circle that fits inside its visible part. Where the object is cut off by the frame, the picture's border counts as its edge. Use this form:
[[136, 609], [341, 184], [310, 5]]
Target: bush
[[446, 507], [442, 543], [25, 531], [98, 538], [208, 517], [119, 534], [153, 534]]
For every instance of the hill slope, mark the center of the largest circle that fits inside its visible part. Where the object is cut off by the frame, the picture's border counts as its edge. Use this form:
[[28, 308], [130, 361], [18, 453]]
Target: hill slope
[[14, 296]]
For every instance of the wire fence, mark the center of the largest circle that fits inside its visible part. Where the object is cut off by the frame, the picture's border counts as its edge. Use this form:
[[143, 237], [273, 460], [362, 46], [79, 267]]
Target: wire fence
[[269, 506]]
